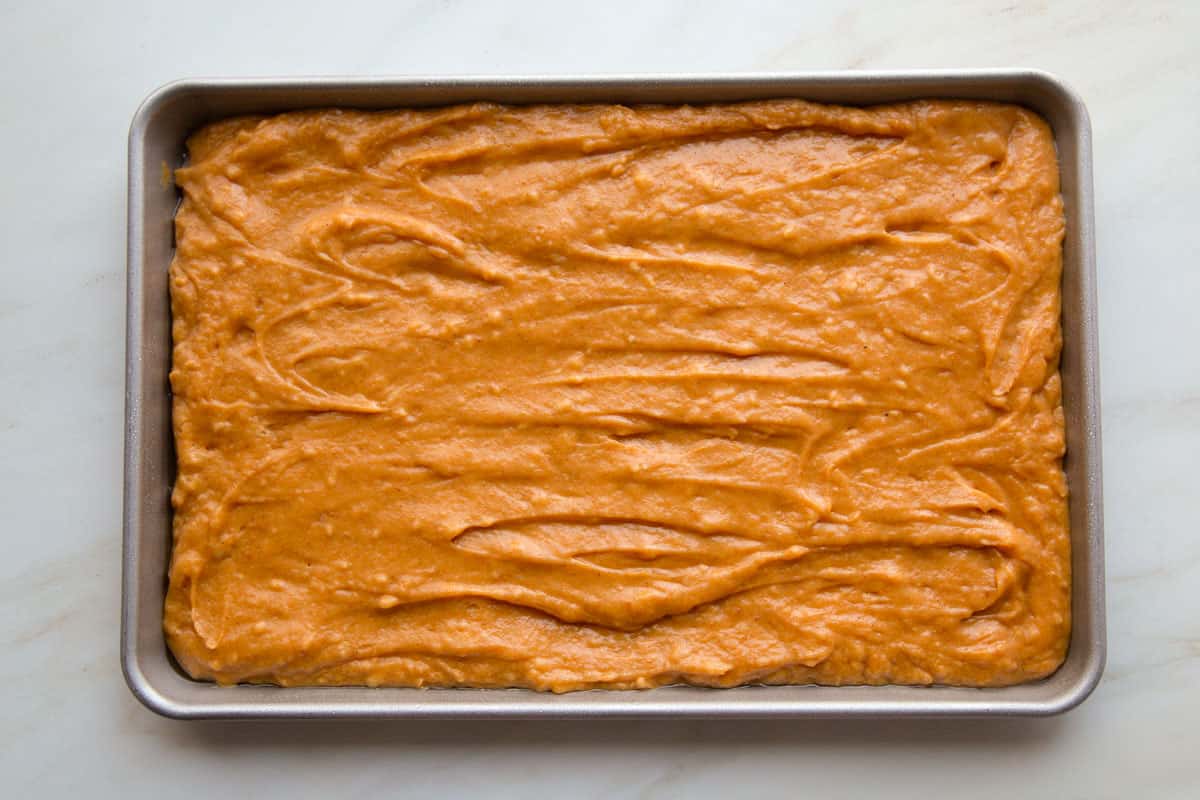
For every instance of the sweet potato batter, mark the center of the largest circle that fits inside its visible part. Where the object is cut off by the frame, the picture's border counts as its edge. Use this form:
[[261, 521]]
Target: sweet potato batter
[[568, 397]]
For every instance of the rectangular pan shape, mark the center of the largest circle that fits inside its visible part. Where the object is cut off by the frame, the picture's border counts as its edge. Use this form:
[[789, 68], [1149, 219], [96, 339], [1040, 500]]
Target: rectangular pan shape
[[156, 145]]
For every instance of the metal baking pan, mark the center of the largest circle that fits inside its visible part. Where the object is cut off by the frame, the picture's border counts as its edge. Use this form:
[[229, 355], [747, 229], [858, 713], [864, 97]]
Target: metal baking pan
[[156, 144]]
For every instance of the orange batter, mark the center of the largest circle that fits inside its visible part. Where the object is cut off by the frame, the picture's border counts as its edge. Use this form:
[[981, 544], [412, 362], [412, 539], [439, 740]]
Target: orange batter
[[591, 396]]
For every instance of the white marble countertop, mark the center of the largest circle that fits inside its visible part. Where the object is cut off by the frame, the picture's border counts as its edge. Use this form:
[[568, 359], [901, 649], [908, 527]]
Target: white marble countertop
[[69, 82]]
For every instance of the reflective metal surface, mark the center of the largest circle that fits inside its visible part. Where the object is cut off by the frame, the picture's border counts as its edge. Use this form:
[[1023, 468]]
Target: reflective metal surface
[[156, 144]]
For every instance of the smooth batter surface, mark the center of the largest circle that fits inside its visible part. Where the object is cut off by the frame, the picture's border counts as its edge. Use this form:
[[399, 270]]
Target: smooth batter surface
[[570, 397]]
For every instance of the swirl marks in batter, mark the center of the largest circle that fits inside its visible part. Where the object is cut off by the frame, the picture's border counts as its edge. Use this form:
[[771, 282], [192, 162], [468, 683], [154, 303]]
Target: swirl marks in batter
[[566, 397]]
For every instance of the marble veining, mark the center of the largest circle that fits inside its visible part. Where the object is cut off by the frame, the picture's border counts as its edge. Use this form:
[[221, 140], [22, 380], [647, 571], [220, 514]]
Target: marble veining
[[70, 80]]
